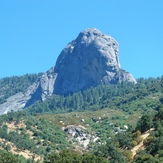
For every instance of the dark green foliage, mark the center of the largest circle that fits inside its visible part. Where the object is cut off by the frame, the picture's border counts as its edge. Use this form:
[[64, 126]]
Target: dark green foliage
[[161, 99], [74, 157], [145, 123], [159, 115], [110, 152], [147, 158], [156, 145], [124, 140]]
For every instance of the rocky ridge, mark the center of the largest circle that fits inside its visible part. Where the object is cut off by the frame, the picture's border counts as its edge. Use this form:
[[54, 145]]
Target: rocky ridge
[[90, 59]]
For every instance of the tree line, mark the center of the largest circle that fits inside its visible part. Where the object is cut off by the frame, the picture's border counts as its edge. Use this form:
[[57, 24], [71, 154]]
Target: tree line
[[128, 97]]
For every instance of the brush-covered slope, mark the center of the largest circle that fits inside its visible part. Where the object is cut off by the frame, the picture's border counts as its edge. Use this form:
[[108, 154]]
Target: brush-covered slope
[[105, 128]]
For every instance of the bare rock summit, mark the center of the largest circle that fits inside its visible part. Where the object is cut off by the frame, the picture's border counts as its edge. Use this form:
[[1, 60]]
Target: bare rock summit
[[89, 60]]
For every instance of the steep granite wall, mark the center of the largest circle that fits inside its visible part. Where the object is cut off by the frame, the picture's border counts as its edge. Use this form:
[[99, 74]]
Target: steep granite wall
[[87, 61]]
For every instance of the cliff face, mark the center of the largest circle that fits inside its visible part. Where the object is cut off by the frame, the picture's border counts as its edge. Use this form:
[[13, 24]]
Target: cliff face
[[87, 61]]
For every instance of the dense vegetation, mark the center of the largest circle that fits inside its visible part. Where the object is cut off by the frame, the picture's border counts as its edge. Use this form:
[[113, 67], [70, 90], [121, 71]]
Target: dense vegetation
[[67, 156], [143, 96]]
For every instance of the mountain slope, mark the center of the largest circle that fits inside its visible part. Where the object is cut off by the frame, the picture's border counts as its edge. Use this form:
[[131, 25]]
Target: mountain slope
[[9, 86], [89, 60], [109, 133]]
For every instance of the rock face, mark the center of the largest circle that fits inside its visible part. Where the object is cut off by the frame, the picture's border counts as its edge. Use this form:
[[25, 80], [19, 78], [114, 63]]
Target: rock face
[[90, 59], [87, 61], [44, 88], [40, 90]]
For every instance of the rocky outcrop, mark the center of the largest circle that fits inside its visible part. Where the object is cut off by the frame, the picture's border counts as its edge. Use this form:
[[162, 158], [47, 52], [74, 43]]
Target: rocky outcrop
[[79, 135], [90, 59], [45, 87], [40, 90]]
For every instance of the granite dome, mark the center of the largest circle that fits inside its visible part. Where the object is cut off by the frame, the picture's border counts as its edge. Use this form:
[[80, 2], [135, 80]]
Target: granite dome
[[88, 60]]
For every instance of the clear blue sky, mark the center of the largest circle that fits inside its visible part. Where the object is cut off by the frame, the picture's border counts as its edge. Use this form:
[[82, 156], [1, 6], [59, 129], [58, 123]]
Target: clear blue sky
[[33, 32]]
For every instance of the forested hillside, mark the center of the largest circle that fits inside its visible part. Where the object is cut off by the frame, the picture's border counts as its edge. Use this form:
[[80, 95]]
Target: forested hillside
[[143, 96], [100, 124]]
